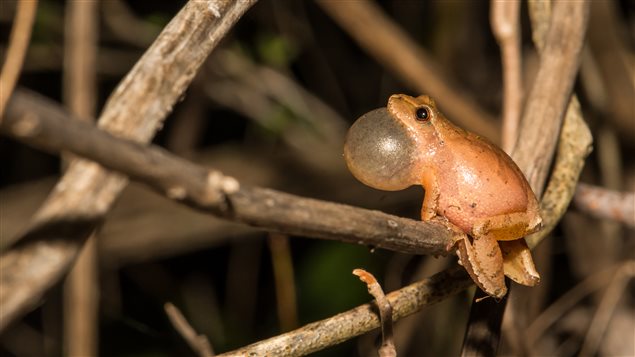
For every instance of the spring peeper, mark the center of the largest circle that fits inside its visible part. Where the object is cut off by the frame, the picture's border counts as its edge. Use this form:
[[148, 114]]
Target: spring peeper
[[471, 185]]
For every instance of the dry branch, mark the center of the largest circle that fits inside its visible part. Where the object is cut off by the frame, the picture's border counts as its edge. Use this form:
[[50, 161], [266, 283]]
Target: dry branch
[[81, 289], [19, 41], [387, 348], [339, 328], [505, 23], [198, 343], [135, 110], [549, 97], [209, 190], [603, 203]]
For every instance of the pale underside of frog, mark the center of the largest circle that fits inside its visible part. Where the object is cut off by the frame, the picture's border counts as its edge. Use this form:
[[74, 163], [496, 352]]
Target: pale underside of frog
[[471, 185]]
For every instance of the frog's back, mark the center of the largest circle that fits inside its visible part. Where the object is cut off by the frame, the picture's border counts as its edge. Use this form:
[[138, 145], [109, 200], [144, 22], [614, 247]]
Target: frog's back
[[483, 182]]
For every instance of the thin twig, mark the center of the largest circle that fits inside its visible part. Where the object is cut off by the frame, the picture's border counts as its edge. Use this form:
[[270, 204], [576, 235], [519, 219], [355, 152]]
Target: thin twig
[[81, 290], [86, 192], [387, 348], [604, 203], [394, 48], [341, 327], [284, 281], [505, 22], [35, 121], [18, 44], [199, 343]]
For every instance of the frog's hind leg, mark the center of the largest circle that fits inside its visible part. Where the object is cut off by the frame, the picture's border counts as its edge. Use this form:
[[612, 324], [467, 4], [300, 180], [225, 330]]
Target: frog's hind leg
[[509, 230], [509, 226], [483, 260]]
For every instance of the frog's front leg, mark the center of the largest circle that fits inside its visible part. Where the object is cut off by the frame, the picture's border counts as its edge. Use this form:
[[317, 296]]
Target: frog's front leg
[[429, 213], [509, 230]]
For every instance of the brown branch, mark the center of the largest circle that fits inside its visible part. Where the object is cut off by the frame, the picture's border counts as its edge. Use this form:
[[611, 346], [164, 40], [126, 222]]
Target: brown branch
[[608, 204], [392, 46], [18, 43], [341, 327], [198, 343], [154, 233], [547, 102], [33, 120], [284, 281], [81, 289], [86, 192], [574, 146], [505, 22]]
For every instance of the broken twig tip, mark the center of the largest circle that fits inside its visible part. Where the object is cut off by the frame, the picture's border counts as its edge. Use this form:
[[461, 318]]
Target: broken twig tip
[[387, 348]]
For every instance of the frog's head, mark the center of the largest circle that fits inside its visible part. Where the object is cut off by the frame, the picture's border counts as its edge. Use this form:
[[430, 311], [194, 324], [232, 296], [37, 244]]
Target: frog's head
[[388, 147]]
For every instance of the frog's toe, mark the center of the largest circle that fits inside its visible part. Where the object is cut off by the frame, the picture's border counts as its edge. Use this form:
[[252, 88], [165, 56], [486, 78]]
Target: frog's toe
[[518, 263]]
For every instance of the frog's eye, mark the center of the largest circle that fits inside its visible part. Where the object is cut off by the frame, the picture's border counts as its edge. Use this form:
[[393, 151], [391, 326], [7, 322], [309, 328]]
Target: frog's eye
[[423, 114]]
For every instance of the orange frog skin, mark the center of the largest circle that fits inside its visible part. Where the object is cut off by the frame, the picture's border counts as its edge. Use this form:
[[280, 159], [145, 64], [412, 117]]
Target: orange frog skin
[[470, 185]]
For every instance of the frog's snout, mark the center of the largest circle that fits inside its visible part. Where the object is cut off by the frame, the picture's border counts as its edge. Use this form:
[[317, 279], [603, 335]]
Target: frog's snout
[[379, 152]]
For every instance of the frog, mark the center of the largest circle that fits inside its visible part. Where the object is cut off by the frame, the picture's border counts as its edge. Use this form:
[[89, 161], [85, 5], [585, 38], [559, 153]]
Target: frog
[[472, 187]]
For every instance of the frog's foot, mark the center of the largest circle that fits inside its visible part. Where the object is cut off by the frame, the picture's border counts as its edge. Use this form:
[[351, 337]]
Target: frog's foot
[[517, 262], [509, 230], [483, 260], [457, 233]]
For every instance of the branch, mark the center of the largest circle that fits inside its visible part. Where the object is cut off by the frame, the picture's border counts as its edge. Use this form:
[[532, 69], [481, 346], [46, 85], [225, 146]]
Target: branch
[[387, 348], [35, 121], [392, 47], [341, 327], [505, 22], [604, 203], [19, 41], [86, 192], [81, 289], [198, 343], [574, 146], [547, 102]]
